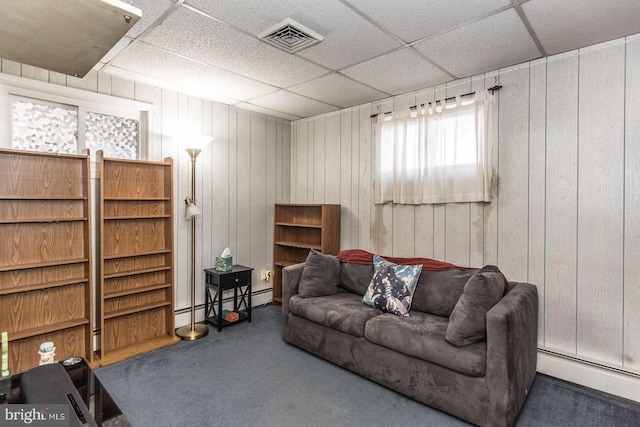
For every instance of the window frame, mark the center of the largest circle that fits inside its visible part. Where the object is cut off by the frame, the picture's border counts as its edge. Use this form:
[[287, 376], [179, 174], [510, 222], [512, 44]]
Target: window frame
[[13, 87]]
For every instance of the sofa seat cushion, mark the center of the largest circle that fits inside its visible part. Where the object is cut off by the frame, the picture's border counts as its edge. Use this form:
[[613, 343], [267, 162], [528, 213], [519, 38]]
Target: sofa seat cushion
[[343, 311], [422, 336]]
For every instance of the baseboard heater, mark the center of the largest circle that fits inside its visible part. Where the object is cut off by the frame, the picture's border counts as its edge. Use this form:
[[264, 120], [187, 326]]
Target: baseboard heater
[[589, 362], [50, 384]]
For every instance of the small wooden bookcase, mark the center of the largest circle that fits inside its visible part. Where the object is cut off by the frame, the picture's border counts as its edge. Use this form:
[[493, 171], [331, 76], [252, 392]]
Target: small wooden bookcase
[[299, 228], [136, 306]]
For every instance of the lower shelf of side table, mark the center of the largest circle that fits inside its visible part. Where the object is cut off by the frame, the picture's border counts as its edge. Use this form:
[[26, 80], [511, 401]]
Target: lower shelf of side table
[[242, 314]]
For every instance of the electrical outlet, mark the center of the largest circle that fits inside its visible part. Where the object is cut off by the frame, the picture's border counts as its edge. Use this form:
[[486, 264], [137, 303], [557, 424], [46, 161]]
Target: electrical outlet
[[265, 275]]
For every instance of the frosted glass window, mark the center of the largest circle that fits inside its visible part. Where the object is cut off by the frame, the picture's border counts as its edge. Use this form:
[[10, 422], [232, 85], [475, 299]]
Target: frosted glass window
[[116, 136], [44, 127]]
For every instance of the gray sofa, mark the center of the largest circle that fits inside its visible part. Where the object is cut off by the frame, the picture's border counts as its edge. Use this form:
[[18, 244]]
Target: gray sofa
[[485, 383]]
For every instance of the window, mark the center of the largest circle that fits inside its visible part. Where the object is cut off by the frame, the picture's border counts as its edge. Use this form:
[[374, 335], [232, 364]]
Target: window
[[116, 136], [44, 127], [438, 154], [44, 117]]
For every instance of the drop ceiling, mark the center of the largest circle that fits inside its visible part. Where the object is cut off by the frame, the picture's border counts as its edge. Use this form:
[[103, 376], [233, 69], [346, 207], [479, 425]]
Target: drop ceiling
[[372, 49]]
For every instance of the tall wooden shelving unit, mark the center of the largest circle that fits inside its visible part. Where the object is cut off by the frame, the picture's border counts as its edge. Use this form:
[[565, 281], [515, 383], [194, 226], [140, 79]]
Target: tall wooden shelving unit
[[45, 260], [136, 306], [299, 228]]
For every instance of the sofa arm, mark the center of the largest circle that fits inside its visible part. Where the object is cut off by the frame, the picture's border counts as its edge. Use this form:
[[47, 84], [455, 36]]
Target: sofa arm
[[290, 278], [512, 337]]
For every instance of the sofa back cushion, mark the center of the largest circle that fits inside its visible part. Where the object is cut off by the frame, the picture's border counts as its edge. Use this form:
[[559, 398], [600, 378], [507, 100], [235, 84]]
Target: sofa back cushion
[[438, 292], [320, 275], [355, 277], [467, 323]]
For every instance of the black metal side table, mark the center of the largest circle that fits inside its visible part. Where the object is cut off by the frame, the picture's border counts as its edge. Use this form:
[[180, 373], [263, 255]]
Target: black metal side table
[[238, 279]]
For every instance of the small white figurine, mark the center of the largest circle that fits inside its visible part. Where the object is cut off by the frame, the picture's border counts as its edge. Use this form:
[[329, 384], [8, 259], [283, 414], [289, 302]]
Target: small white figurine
[[47, 353]]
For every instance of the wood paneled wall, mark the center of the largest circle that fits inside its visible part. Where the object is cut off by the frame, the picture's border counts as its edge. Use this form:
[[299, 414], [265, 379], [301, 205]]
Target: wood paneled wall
[[566, 210], [240, 175]]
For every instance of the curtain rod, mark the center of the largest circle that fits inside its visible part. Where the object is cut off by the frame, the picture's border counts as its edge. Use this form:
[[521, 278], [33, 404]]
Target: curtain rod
[[491, 89]]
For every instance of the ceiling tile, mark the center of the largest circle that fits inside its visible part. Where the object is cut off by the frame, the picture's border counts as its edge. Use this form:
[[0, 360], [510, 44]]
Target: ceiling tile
[[348, 37], [293, 104], [116, 49], [198, 37], [572, 24], [151, 11], [338, 90], [489, 44], [267, 111], [156, 63], [153, 81], [397, 72], [419, 19]]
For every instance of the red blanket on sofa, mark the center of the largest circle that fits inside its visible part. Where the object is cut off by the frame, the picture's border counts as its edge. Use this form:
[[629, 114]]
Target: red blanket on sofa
[[358, 256]]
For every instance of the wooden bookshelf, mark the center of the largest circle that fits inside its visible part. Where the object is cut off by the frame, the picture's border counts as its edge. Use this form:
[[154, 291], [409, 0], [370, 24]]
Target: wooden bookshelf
[[299, 228], [136, 308], [45, 264]]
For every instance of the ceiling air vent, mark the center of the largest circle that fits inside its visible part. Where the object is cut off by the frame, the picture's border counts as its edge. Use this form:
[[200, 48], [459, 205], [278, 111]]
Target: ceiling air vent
[[290, 36]]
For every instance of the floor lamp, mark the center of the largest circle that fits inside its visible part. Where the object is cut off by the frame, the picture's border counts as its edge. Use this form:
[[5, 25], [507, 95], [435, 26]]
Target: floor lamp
[[193, 331]]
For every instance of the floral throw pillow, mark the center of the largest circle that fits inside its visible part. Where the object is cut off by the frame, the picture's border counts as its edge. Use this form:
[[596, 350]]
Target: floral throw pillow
[[392, 286]]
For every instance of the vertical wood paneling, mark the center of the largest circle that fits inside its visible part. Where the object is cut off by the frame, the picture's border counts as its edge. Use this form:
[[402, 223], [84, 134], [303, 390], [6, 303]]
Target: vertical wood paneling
[[403, 230], [205, 250], [476, 210], [169, 108], [318, 165], [273, 150], [234, 169], [601, 203], [561, 209], [354, 180], [490, 211], [104, 85], [365, 178], [11, 67], [285, 141], [537, 201], [182, 169], [58, 78], [346, 180], [242, 250], [122, 87], [514, 180], [219, 185], [258, 172], [34, 73], [333, 151], [299, 179], [631, 290]]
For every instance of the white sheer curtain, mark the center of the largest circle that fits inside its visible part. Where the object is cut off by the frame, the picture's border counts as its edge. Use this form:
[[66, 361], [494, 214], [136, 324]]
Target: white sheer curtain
[[437, 154]]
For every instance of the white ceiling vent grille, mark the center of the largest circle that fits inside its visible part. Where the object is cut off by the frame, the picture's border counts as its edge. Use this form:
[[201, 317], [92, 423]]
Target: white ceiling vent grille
[[290, 36]]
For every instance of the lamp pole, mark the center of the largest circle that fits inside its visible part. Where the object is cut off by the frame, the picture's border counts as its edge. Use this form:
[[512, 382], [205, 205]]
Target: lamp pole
[[193, 331]]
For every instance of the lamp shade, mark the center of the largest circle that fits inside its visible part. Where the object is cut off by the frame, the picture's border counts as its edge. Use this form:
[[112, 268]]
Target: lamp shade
[[191, 210]]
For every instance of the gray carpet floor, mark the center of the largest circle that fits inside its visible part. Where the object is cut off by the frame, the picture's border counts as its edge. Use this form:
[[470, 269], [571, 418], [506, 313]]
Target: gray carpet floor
[[247, 376]]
